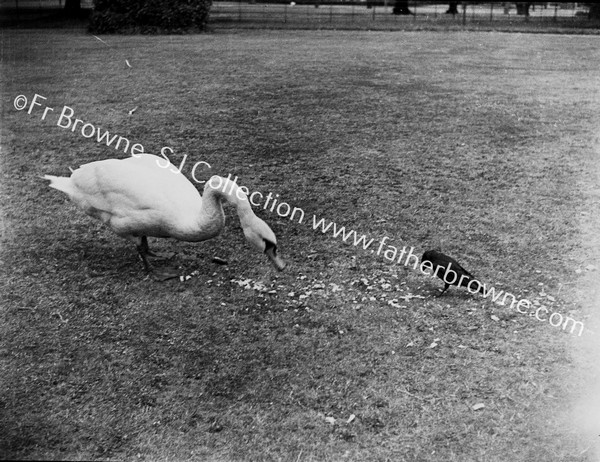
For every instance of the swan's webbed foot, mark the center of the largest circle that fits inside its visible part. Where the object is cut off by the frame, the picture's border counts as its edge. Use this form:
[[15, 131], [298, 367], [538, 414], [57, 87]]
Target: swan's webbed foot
[[164, 274], [160, 256]]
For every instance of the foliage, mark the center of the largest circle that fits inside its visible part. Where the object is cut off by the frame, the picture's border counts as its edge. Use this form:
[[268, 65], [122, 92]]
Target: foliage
[[152, 16], [523, 8], [594, 12]]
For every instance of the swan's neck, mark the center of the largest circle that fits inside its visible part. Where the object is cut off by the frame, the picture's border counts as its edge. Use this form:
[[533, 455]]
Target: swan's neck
[[219, 189]]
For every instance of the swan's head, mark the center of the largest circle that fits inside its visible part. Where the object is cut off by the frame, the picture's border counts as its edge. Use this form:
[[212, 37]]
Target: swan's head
[[257, 232], [262, 238]]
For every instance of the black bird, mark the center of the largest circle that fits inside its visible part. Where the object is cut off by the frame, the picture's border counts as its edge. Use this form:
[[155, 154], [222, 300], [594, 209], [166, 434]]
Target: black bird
[[442, 264]]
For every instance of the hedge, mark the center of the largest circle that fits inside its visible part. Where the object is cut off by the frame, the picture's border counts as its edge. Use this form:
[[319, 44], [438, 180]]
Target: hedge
[[149, 16]]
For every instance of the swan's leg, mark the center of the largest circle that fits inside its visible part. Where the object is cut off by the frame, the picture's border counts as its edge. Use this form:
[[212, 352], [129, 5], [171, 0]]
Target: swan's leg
[[143, 250], [162, 274], [151, 254]]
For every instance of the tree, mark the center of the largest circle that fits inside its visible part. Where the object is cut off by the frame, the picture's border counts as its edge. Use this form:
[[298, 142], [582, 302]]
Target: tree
[[72, 7], [452, 8], [149, 16], [401, 7], [594, 12], [523, 8]]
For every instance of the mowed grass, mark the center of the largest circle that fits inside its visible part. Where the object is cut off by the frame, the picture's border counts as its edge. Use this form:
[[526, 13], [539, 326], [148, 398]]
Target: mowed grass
[[483, 143]]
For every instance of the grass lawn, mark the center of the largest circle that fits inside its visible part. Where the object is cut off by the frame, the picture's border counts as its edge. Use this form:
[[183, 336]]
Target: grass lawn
[[483, 143]]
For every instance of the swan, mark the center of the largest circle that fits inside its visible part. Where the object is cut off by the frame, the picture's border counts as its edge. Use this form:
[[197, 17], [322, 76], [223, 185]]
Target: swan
[[140, 196]]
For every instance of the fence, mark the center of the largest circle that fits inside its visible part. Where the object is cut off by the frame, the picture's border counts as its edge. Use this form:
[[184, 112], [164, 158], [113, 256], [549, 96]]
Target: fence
[[39, 4], [371, 14]]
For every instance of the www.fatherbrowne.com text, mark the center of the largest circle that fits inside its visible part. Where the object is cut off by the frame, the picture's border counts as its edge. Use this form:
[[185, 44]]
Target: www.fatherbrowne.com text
[[406, 257], [67, 120]]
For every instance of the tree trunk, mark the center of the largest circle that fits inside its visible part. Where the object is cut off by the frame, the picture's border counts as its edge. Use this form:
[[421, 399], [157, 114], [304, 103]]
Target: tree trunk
[[72, 7], [523, 8], [452, 8], [594, 12], [401, 7]]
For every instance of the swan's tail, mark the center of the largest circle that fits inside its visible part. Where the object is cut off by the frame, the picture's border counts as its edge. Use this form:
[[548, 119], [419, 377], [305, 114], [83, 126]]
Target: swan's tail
[[61, 183]]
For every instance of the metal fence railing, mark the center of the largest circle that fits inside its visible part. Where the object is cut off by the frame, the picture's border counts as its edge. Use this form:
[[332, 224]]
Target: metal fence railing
[[39, 4], [378, 13], [368, 14]]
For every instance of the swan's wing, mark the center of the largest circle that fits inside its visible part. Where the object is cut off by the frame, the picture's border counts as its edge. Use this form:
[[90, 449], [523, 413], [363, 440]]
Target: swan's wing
[[135, 195]]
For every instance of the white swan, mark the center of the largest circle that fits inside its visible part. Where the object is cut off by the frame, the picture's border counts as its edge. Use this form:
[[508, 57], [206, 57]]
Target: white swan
[[136, 197]]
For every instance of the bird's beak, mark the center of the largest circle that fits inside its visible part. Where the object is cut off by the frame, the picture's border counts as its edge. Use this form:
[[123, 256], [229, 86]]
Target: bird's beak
[[271, 252]]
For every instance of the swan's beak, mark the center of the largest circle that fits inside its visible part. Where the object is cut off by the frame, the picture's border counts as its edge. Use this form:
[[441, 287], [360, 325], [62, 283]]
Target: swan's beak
[[271, 252]]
